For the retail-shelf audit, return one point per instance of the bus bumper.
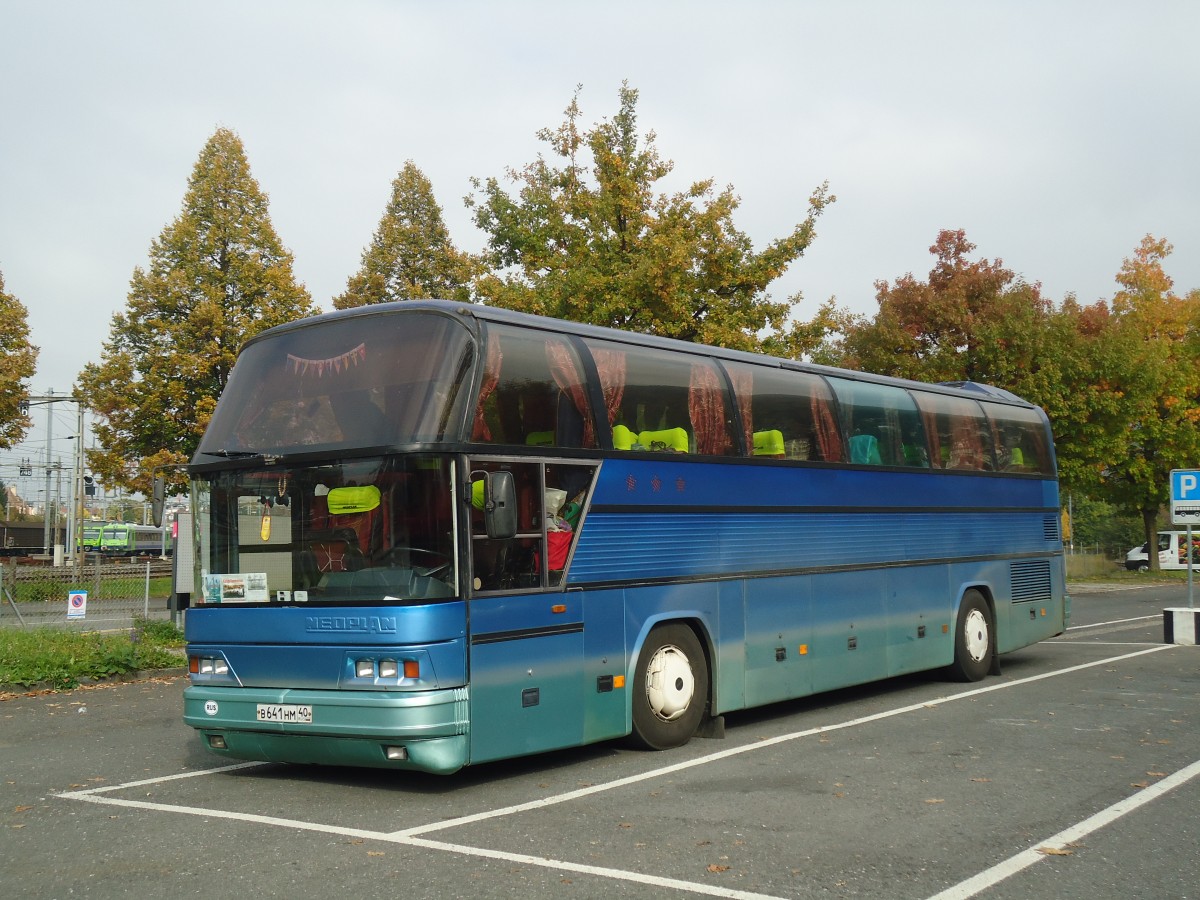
(424, 731)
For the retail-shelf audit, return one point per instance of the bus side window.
(957, 431)
(886, 414)
(785, 414)
(1021, 439)
(533, 392)
(657, 401)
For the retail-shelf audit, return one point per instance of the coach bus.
(431, 535)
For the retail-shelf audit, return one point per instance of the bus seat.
(623, 438)
(668, 439)
(539, 439)
(337, 551)
(864, 450)
(768, 443)
(330, 556)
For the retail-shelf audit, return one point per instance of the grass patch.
(1135, 579)
(63, 658)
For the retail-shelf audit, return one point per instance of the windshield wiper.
(268, 458)
(232, 454)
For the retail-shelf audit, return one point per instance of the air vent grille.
(1031, 580)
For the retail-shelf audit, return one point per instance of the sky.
(1056, 134)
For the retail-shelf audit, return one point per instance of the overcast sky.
(1056, 134)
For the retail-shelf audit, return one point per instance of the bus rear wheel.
(670, 688)
(974, 644)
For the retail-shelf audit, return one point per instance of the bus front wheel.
(670, 688)
(973, 639)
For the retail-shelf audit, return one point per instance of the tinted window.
(785, 414)
(881, 423)
(958, 432)
(533, 392)
(1021, 439)
(361, 381)
(661, 401)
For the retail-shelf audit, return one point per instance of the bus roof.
(475, 313)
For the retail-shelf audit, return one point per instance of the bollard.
(1181, 626)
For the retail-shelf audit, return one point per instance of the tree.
(218, 275)
(18, 362)
(1154, 372)
(587, 238)
(975, 320)
(970, 321)
(411, 255)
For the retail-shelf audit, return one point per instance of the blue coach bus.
(432, 534)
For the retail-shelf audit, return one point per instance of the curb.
(123, 678)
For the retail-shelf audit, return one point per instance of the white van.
(1172, 552)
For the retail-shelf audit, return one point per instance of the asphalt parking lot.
(1072, 774)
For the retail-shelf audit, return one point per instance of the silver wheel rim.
(975, 631)
(670, 684)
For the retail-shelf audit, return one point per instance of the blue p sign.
(1185, 484)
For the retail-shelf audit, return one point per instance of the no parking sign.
(76, 604)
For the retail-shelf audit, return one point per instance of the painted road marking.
(412, 836)
(1062, 841)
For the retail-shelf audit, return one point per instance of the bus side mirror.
(500, 505)
(158, 500)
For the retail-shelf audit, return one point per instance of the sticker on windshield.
(246, 587)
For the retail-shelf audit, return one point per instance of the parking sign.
(1185, 496)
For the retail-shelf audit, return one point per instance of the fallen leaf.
(625, 825)
(935, 800)
(1055, 851)
(713, 867)
(22, 809)
(1139, 784)
(375, 853)
(982, 780)
(1157, 774)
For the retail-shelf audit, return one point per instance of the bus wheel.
(973, 644)
(670, 688)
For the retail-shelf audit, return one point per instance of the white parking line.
(1115, 622)
(411, 836)
(1066, 837)
(759, 745)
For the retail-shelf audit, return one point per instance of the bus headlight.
(387, 668)
(208, 665)
(364, 668)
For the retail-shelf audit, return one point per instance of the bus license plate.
(287, 713)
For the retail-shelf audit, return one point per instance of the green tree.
(411, 255)
(587, 238)
(218, 275)
(1154, 376)
(18, 362)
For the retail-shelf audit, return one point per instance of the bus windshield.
(362, 381)
(372, 530)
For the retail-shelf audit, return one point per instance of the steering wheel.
(397, 557)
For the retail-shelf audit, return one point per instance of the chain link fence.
(113, 593)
